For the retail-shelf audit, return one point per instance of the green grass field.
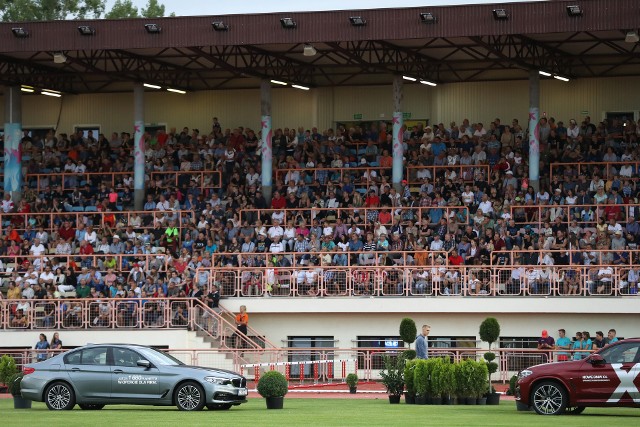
(314, 412)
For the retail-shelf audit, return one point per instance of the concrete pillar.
(12, 139)
(398, 148)
(138, 139)
(267, 148)
(534, 129)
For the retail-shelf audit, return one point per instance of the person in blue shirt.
(42, 344)
(422, 345)
(563, 343)
(578, 345)
(611, 337)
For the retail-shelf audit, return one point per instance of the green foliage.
(489, 356)
(421, 377)
(50, 10)
(8, 368)
(480, 385)
(392, 374)
(122, 9)
(436, 377)
(465, 372)
(409, 374)
(153, 10)
(489, 330)
(512, 385)
(409, 354)
(352, 380)
(492, 367)
(408, 330)
(272, 384)
(13, 384)
(448, 378)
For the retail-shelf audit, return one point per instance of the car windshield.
(159, 358)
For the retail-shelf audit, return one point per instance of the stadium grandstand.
(170, 169)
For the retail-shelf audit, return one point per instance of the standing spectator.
(563, 343)
(546, 342)
(599, 341)
(42, 345)
(422, 343)
(611, 336)
(242, 321)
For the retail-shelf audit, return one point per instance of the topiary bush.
(8, 368)
(352, 380)
(512, 385)
(273, 384)
(409, 354)
(408, 330)
(421, 378)
(490, 332)
(409, 383)
(448, 378)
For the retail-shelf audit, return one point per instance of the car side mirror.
(143, 363)
(596, 359)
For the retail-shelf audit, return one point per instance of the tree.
(153, 10)
(490, 332)
(50, 10)
(122, 9)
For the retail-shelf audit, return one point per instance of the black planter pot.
(275, 402)
(353, 390)
(493, 399)
(447, 401)
(20, 403)
(481, 401)
(409, 399)
(469, 400)
(421, 400)
(394, 399)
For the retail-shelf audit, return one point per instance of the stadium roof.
(465, 43)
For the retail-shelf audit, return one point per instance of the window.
(153, 128)
(317, 343)
(90, 356)
(389, 345)
(94, 129)
(125, 357)
(517, 361)
(622, 353)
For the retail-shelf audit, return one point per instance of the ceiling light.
(20, 32)
(86, 30)
(563, 79)
(544, 73)
(357, 21)
(299, 87)
(309, 50)
(411, 79)
(288, 23)
(54, 94)
(278, 82)
(428, 83)
(632, 37)
(219, 26)
(59, 58)
(500, 14)
(182, 92)
(150, 86)
(152, 28)
(28, 89)
(574, 10)
(428, 18)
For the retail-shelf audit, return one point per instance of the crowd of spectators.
(333, 203)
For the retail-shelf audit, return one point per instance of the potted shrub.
(13, 385)
(480, 382)
(352, 382)
(409, 383)
(421, 381)
(448, 382)
(489, 333)
(392, 377)
(465, 380)
(435, 381)
(273, 387)
(8, 368)
(408, 334)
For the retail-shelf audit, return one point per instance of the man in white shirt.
(47, 277)
(91, 236)
(7, 204)
(436, 244)
(37, 248)
(276, 246)
(485, 205)
(275, 230)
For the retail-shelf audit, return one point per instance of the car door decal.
(627, 379)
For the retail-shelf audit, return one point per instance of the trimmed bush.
(8, 368)
(13, 384)
(408, 330)
(437, 368)
(392, 375)
(272, 384)
(421, 377)
(352, 380)
(409, 383)
(448, 381)
(409, 354)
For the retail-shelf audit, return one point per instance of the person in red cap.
(546, 342)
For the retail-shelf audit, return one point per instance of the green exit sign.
(584, 112)
(406, 115)
(357, 117)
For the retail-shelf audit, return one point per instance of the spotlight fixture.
(288, 23)
(28, 89)
(544, 73)
(574, 10)
(632, 37)
(20, 32)
(500, 14)
(357, 21)
(300, 87)
(411, 79)
(86, 30)
(561, 78)
(278, 82)
(428, 18)
(309, 50)
(59, 58)
(152, 28)
(53, 93)
(181, 92)
(219, 26)
(428, 83)
(150, 86)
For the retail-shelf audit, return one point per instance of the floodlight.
(357, 21)
(309, 50)
(288, 23)
(59, 58)
(152, 28)
(632, 37)
(574, 10)
(20, 32)
(500, 14)
(428, 18)
(86, 30)
(219, 26)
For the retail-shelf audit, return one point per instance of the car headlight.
(524, 373)
(218, 380)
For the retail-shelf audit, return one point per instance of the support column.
(12, 139)
(398, 147)
(138, 140)
(267, 149)
(534, 129)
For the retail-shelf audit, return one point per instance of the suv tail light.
(28, 370)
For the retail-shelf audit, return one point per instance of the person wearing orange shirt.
(242, 321)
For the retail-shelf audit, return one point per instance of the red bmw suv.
(608, 377)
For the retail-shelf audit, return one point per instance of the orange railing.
(467, 173)
(606, 169)
(536, 215)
